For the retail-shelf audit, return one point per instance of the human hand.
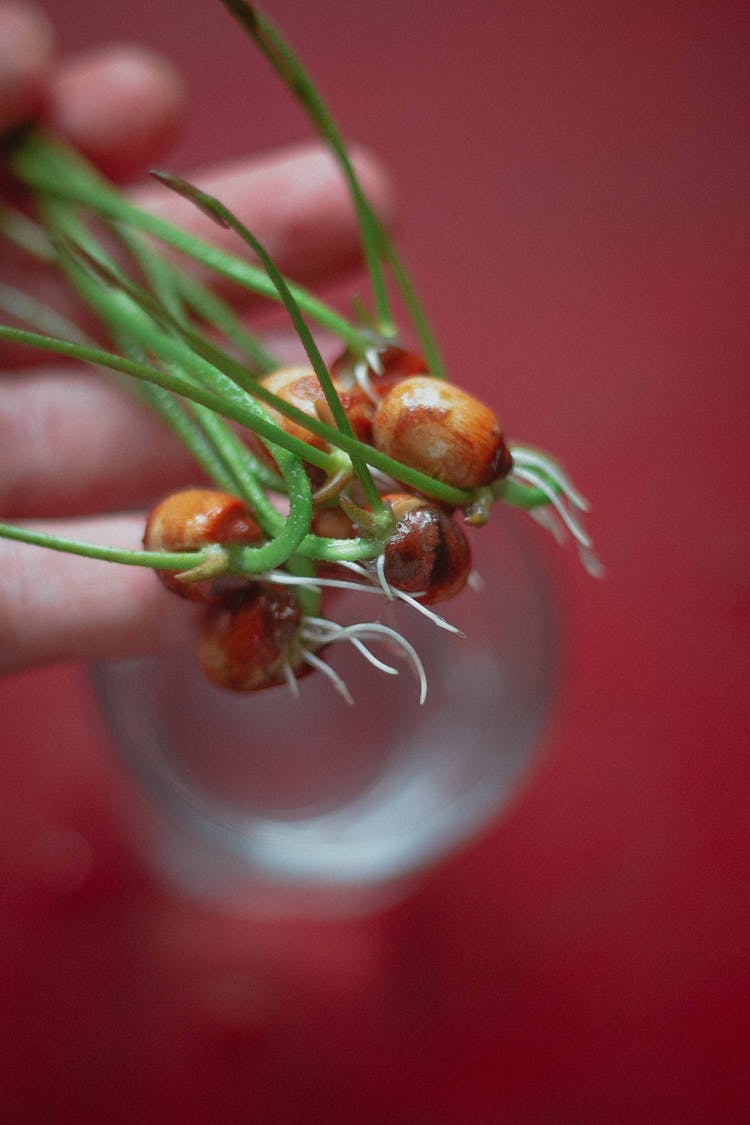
(74, 450)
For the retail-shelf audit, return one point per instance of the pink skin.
(58, 424)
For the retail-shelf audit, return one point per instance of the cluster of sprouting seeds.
(359, 475)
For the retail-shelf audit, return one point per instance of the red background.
(574, 199)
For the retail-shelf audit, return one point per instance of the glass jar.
(267, 803)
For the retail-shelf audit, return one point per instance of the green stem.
(339, 550)
(189, 427)
(287, 65)
(159, 560)
(193, 432)
(239, 376)
(25, 233)
(31, 311)
(224, 217)
(247, 412)
(427, 339)
(183, 287)
(241, 475)
(124, 317)
(244, 473)
(169, 408)
(219, 359)
(520, 495)
(181, 361)
(375, 238)
(296, 525)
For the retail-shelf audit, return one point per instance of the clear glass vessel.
(265, 803)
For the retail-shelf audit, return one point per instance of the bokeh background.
(573, 183)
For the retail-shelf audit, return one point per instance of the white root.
(374, 629)
(318, 631)
(533, 460)
(326, 669)
(372, 658)
(475, 582)
(291, 679)
(364, 382)
(549, 520)
(374, 361)
(435, 618)
(570, 521)
(281, 578)
(380, 570)
(591, 563)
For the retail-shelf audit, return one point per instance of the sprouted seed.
(358, 477)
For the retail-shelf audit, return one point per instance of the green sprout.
(178, 346)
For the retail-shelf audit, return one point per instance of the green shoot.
(284, 61)
(224, 217)
(51, 169)
(375, 239)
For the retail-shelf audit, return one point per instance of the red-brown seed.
(428, 555)
(396, 364)
(332, 523)
(399, 363)
(357, 408)
(299, 387)
(437, 428)
(245, 645)
(194, 518)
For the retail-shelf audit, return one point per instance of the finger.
(74, 442)
(55, 606)
(120, 105)
(25, 52)
(296, 201)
